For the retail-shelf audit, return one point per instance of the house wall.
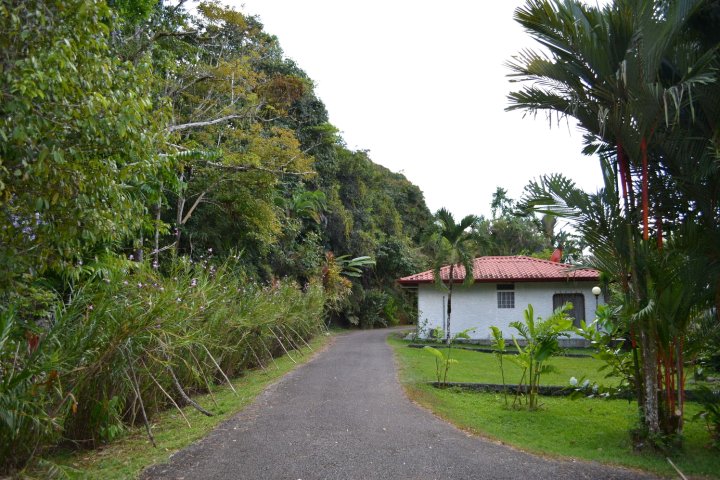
(475, 306)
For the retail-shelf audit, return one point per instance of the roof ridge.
(515, 267)
(535, 259)
(526, 257)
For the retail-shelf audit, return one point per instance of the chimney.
(557, 254)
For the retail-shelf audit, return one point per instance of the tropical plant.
(453, 246)
(353, 267)
(638, 81)
(498, 344)
(443, 360)
(336, 275)
(710, 412)
(132, 120)
(442, 363)
(606, 335)
(130, 342)
(32, 403)
(80, 139)
(308, 205)
(540, 343)
(673, 284)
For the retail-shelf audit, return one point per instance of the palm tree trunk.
(623, 170)
(648, 400)
(645, 200)
(449, 303)
(648, 347)
(680, 391)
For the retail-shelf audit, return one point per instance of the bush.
(372, 309)
(710, 413)
(130, 342)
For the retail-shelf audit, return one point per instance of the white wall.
(475, 306)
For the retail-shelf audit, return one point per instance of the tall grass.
(131, 342)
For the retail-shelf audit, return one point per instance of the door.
(578, 305)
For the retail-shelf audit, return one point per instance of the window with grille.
(577, 313)
(506, 295)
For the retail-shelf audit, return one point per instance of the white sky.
(422, 86)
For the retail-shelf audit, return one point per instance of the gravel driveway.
(343, 415)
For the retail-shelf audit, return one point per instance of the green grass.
(483, 367)
(590, 429)
(128, 456)
(509, 347)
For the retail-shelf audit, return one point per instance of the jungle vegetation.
(176, 207)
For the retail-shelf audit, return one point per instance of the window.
(577, 313)
(506, 295)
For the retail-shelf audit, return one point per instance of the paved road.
(344, 416)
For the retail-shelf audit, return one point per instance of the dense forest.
(155, 133)
(175, 207)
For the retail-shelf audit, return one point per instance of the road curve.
(343, 415)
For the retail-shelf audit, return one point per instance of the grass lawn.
(483, 368)
(128, 456)
(591, 429)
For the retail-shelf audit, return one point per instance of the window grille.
(506, 295)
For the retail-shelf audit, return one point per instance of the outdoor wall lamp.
(596, 291)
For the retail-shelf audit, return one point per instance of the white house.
(502, 290)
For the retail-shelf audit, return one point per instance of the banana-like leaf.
(435, 352)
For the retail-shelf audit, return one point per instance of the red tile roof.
(517, 268)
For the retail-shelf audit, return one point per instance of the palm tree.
(453, 244)
(627, 73)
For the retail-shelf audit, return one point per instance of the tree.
(501, 204)
(511, 231)
(631, 74)
(80, 136)
(227, 131)
(455, 245)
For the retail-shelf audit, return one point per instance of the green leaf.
(435, 352)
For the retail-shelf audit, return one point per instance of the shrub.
(710, 413)
(541, 342)
(130, 342)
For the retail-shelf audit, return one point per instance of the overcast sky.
(422, 86)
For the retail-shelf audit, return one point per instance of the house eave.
(565, 278)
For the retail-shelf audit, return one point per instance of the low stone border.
(490, 350)
(545, 390)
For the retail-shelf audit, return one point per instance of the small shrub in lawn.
(443, 360)
(442, 363)
(710, 413)
(498, 344)
(605, 335)
(541, 343)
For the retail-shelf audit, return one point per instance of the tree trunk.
(449, 304)
(180, 211)
(680, 391)
(178, 223)
(139, 250)
(645, 198)
(649, 367)
(156, 246)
